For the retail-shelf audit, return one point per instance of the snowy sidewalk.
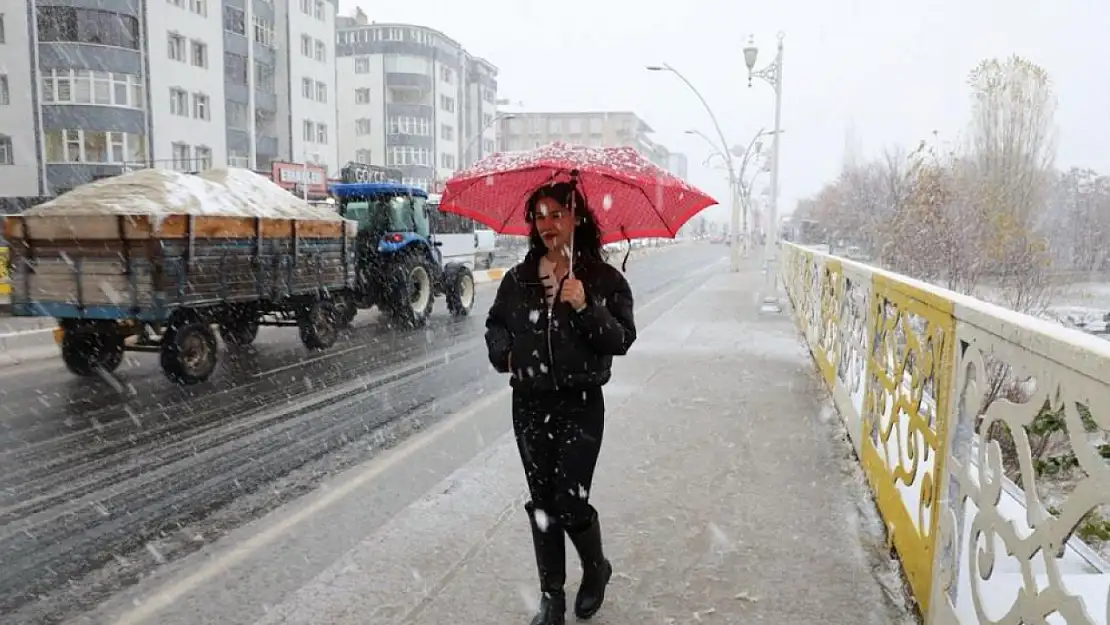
(725, 492)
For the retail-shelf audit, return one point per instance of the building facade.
(527, 130)
(185, 84)
(412, 99)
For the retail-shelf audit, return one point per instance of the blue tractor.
(400, 266)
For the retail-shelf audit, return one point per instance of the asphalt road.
(103, 480)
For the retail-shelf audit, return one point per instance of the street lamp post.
(734, 205)
(773, 75)
(755, 146)
(465, 157)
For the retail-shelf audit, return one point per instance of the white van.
(461, 241)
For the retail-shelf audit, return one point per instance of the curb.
(489, 275)
(13, 341)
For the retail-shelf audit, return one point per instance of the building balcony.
(408, 80)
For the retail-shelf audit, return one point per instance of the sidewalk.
(726, 493)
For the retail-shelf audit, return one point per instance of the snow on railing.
(951, 403)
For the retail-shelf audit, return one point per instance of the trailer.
(119, 276)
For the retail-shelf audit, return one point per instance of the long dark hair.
(587, 234)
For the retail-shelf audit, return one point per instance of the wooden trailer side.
(151, 266)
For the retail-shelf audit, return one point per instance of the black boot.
(551, 561)
(596, 569)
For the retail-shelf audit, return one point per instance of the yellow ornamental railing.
(946, 398)
(5, 276)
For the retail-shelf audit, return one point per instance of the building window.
(362, 126)
(200, 7)
(321, 51)
(264, 32)
(117, 147)
(74, 25)
(306, 88)
(176, 47)
(321, 92)
(201, 109)
(447, 75)
(321, 133)
(446, 132)
(203, 157)
(447, 161)
(74, 145)
(488, 147)
(181, 157)
(264, 78)
(447, 103)
(7, 153)
(102, 88)
(488, 96)
(237, 117)
(235, 21)
(200, 53)
(63, 86)
(408, 155)
(306, 7)
(88, 146)
(2, 37)
(306, 46)
(309, 131)
(362, 65)
(363, 156)
(238, 159)
(235, 68)
(362, 95)
(5, 94)
(318, 10)
(410, 126)
(179, 102)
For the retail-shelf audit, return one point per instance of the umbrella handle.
(573, 221)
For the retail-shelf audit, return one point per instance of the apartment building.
(527, 130)
(306, 83)
(89, 90)
(411, 98)
(678, 164)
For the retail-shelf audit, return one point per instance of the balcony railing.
(983, 434)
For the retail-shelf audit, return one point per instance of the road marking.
(374, 468)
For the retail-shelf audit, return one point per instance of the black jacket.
(568, 349)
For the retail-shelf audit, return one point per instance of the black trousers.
(559, 434)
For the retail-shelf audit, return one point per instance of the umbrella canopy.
(629, 196)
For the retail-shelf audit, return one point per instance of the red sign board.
(291, 176)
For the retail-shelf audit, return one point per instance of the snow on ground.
(161, 192)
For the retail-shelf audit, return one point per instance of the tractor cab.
(400, 267)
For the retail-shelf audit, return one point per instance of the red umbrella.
(630, 197)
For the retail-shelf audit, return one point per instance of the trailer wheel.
(188, 352)
(345, 310)
(86, 352)
(412, 292)
(241, 330)
(319, 324)
(459, 286)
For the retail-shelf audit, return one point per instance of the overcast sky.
(894, 71)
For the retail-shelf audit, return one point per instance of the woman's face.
(554, 223)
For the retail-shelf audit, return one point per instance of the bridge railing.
(984, 435)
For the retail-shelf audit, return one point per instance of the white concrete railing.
(910, 366)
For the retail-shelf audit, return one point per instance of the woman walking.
(555, 326)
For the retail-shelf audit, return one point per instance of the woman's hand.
(573, 293)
